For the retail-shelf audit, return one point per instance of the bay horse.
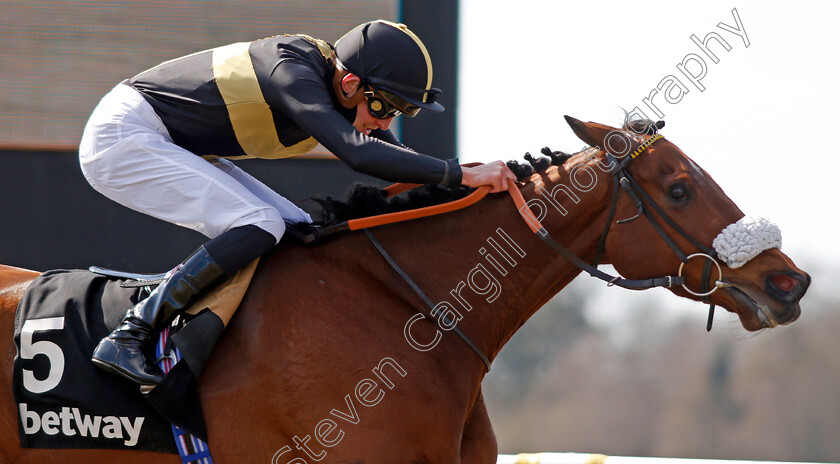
(329, 358)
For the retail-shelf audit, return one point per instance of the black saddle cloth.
(63, 400)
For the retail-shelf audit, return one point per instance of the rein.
(318, 232)
(446, 320)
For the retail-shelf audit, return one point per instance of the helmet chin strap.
(343, 100)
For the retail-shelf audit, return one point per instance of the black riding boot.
(123, 351)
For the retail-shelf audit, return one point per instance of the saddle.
(222, 300)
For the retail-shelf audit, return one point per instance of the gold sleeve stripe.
(422, 47)
(250, 115)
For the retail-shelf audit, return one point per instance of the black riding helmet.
(391, 60)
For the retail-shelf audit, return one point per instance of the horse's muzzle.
(775, 304)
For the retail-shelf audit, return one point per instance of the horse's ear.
(592, 133)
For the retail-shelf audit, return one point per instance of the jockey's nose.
(787, 286)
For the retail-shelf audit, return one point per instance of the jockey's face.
(366, 122)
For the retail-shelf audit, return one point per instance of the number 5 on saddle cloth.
(59, 321)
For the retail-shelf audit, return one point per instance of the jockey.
(161, 143)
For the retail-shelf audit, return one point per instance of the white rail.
(582, 458)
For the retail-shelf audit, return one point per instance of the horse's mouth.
(757, 310)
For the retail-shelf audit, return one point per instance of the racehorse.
(330, 358)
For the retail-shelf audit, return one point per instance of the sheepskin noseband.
(745, 239)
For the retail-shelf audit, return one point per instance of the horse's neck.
(500, 268)
(575, 218)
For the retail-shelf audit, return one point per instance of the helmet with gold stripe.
(393, 63)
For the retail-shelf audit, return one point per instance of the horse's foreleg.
(478, 443)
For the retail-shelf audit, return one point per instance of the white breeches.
(126, 154)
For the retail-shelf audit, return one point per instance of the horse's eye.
(678, 192)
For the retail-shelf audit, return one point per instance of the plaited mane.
(369, 200)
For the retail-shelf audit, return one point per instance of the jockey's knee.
(276, 226)
(269, 219)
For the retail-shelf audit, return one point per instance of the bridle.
(647, 207)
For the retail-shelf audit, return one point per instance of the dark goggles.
(384, 105)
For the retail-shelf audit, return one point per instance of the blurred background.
(596, 370)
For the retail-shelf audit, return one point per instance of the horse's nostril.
(788, 286)
(782, 282)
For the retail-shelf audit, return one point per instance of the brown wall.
(60, 56)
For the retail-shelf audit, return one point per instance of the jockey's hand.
(495, 174)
